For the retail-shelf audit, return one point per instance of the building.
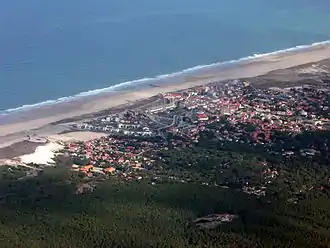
(109, 170)
(202, 117)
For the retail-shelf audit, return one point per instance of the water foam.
(160, 77)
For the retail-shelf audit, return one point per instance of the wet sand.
(27, 121)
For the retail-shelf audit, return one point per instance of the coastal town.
(209, 158)
(234, 113)
(187, 113)
(165, 124)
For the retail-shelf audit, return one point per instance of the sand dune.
(42, 155)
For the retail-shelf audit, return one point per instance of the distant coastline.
(158, 81)
(39, 119)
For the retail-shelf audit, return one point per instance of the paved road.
(168, 126)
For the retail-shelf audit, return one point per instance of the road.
(168, 126)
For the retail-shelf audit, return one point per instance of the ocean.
(58, 49)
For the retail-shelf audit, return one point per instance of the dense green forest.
(210, 178)
(45, 211)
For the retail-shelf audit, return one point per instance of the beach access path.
(36, 118)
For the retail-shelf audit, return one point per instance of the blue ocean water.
(53, 49)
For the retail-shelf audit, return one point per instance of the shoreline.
(24, 122)
(162, 79)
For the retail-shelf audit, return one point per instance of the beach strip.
(36, 118)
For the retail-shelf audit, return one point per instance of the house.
(202, 117)
(86, 168)
(109, 170)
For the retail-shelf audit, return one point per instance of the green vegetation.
(214, 166)
(45, 212)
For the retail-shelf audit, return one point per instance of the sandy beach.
(32, 119)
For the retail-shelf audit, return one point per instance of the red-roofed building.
(202, 117)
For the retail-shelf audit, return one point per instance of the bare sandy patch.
(76, 136)
(42, 155)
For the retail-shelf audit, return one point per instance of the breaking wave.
(160, 77)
